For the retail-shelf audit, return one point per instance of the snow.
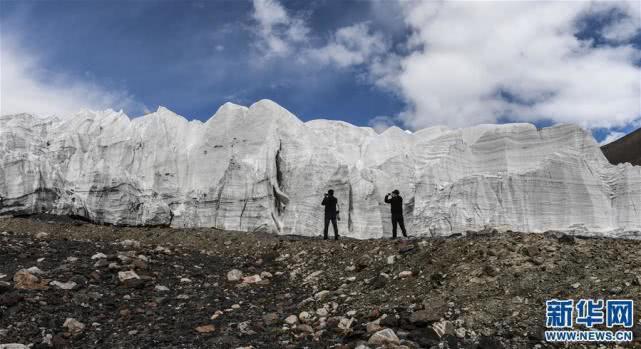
(261, 168)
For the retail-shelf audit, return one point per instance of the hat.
(396, 192)
(331, 192)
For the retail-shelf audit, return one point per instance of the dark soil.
(489, 288)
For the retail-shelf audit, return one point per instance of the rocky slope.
(625, 149)
(262, 169)
(70, 284)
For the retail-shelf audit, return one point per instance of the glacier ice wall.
(261, 168)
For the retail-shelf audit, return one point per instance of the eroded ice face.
(261, 168)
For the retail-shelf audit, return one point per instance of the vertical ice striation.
(261, 168)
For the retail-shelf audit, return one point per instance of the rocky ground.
(66, 283)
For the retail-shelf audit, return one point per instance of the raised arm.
(324, 201)
(387, 199)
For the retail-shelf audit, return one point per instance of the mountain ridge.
(624, 149)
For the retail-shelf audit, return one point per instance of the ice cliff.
(261, 168)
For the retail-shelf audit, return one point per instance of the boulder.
(69, 285)
(74, 326)
(24, 280)
(384, 337)
(234, 275)
(127, 275)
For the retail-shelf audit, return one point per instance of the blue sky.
(368, 63)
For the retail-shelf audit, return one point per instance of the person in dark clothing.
(330, 203)
(396, 203)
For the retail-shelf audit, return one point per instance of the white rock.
(345, 324)
(72, 259)
(64, 286)
(304, 317)
(162, 169)
(251, 279)
(244, 328)
(405, 274)
(185, 280)
(291, 320)
(443, 328)
(35, 271)
(163, 250)
(130, 243)
(383, 337)
(321, 295)
(313, 276)
(322, 312)
(74, 326)
(13, 346)
(161, 288)
(266, 275)
(47, 339)
(42, 235)
(127, 275)
(373, 327)
(234, 275)
(99, 255)
(390, 259)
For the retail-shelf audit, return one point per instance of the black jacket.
(330, 206)
(396, 203)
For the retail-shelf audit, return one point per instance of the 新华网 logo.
(563, 315)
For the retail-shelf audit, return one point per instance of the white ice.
(261, 168)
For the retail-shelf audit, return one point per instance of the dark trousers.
(398, 219)
(333, 220)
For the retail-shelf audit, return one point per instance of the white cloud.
(280, 34)
(471, 62)
(611, 137)
(25, 86)
(468, 56)
(624, 28)
(277, 30)
(351, 45)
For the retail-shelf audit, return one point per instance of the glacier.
(260, 168)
